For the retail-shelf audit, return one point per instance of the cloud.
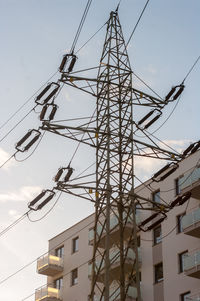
(4, 156)
(151, 69)
(25, 193)
(145, 167)
(178, 145)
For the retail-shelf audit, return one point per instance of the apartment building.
(169, 252)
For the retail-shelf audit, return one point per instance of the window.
(185, 296)
(74, 276)
(60, 252)
(75, 245)
(179, 222)
(58, 283)
(181, 261)
(157, 235)
(156, 197)
(158, 272)
(177, 186)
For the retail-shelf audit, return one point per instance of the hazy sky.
(34, 35)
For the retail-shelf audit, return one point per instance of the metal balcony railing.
(189, 178)
(49, 264)
(191, 223)
(114, 222)
(48, 293)
(115, 294)
(115, 259)
(191, 264)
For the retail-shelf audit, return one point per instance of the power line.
(137, 23)
(81, 25)
(191, 69)
(13, 224)
(29, 99)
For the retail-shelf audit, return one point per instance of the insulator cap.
(170, 93)
(32, 142)
(40, 100)
(68, 175)
(48, 199)
(156, 223)
(58, 175)
(71, 66)
(195, 148)
(19, 143)
(35, 200)
(179, 92)
(148, 219)
(186, 151)
(145, 117)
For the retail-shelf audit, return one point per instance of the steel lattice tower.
(115, 266)
(114, 170)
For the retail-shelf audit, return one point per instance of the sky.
(34, 35)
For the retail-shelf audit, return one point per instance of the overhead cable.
(137, 23)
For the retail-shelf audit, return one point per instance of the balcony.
(191, 223)
(191, 264)
(48, 293)
(115, 264)
(49, 265)
(190, 182)
(131, 294)
(114, 230)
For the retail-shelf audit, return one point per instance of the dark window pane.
(74, 277)
(158, 270)
(75, 245)
(181, 261)
(157, 233)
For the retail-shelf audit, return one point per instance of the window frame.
(180, 261)
(156, 279)
(75, 244)
(60, 283)
(74, 277)
(59, 252)
(183, 295)
(178, 222)
(154, 194)
(155, 242)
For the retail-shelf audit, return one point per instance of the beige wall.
(167, 251)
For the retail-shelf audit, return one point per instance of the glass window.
(156, 197)
(75, 245)
(157, 235)
(58, 283)
(185, 296)
(158, 272)
(60, 252)
(179, 222)
(177, 186)
(74, 276)
(181, 261)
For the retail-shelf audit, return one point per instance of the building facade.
(169, 253)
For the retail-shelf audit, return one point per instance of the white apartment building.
(169, 253)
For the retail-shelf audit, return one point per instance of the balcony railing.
(48, 293)
(190, 181)
(114, 222)
(115, 261)
(191, 264)
(49, 265)
(191, 223)
(131, 294)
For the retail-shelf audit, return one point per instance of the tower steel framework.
(115, 265)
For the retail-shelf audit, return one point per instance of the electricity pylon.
(115, 265)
